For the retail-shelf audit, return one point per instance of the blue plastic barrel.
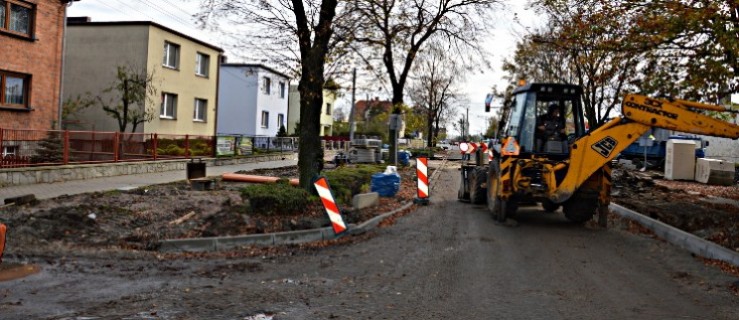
(386, 185)
(404, 158)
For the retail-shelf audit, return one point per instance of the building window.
(328, 109)
(265, 119)
(16, 17)
(171, 55)
(169, 106)
(201, 110)
(282, 90)
(10, 151)
(280, 120)
(267, 85)
(202, 62)
(14, 91)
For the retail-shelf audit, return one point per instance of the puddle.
(12, 271)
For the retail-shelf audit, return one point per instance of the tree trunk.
(312, 58)
(310, 157)
(123, 122)
(431, 137)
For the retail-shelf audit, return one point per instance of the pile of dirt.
(710, 212)
(140, 218)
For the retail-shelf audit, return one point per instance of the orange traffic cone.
(3, 228)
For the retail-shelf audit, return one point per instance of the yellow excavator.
(547, 154)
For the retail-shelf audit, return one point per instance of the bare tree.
(301, 29)
(130, 98)
(434, 88)
(397, 31)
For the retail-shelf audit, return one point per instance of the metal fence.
(24, 148)
(27, 148)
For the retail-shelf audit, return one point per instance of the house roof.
(254, 65)
(77, 21)
(361, 107)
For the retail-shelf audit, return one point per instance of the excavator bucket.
(3, 229)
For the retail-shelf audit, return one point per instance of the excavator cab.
(545, 118)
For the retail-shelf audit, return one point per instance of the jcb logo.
(605, 146)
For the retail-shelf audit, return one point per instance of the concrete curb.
(278, 238)
(230, 242)
(682, 239)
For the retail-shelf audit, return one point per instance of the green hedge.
(276, 199)
(350, 180)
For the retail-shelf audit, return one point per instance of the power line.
(178, 8)
(163, 11)
(114, 8)
(133, 8)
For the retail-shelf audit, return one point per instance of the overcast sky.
(177, 15)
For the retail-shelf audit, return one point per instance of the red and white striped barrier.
(3, 229)
(422, 170)
(330, 204)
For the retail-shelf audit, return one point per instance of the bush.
(424, 152)
(276, 199)
(171, 150)
(347, 181)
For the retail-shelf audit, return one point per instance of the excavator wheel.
(499, 209)
(478, 176)
(581, 207)
(463, 195)
(549, 206)
(493, 189)
(508, 209)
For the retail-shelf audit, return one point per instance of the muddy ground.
(139, 219)
(710, 212)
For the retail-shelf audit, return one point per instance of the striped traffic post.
(422, 169)
(330, 204)
(3, 229)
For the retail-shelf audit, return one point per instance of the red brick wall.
(42, 59)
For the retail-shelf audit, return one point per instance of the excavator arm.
(592, 151)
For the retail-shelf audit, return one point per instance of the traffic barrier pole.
(422, 169)
(3, 229)
(331, 208)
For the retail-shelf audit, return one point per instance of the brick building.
(31, 38)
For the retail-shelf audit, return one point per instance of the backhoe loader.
(563, 163)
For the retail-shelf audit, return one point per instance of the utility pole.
(351, 111)
(467, 122)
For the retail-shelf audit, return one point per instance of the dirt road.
(446, 261)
